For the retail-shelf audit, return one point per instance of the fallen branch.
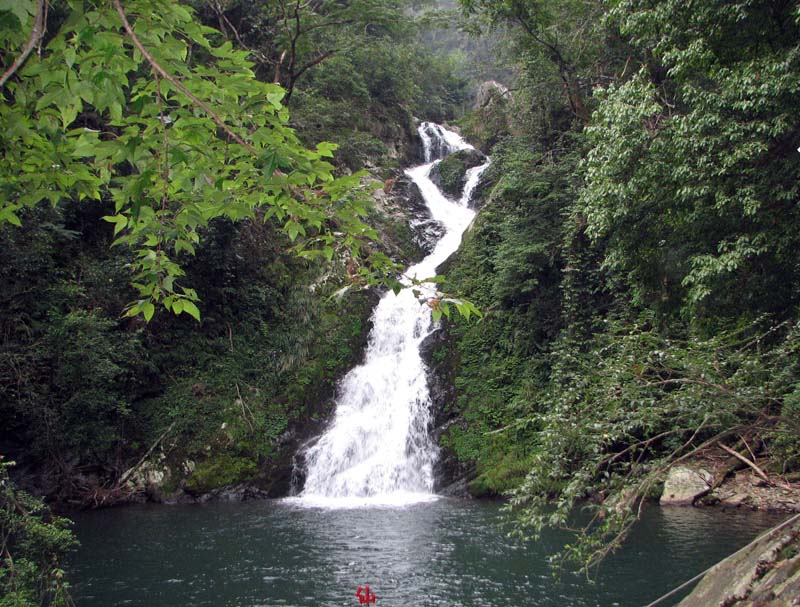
(143, 459)
(743, 459)
(245, 409)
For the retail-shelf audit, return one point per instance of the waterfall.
(438, 142)
(378, 448)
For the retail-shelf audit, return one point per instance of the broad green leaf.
(191, 309)
(148, 309)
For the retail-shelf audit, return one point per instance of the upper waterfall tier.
(438, 142)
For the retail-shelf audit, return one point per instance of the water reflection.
(448, 552)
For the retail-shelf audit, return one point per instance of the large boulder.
(492, 116)
(490, 92)
(684, 485)
(450, 175)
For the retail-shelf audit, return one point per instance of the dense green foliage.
(31, 542)
(124, 114)
(635, 257)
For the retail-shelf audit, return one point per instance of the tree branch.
(311, 64)
(170, 78)
(143, 459)
(223, 18)
(36, 35)
(743, 459)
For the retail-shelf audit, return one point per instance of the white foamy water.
(377, 450)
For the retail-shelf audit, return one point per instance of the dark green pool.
(448, 552)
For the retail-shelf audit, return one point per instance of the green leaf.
(21, 10)
(119, 221)
(7, 214)
(191, 309)
(148, 309)
(293, 230)
(275, 99)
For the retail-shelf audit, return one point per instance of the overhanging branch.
(36, 35)
(171, 79)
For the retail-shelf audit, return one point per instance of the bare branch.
(743, 459)
(143, 459)
(223, 18)
(299, 72)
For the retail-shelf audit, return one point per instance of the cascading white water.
(378, 448)
(438, 142)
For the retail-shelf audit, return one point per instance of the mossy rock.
(220, 471)
(450, 175)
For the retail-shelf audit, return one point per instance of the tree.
(137, 108)
(563, 32)
(286, 38)
(694, 175)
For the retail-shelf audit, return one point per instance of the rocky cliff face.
(491, 118)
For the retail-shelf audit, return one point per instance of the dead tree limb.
(743, 459)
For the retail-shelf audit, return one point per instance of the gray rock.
(684, 485)
(425, 229)
(489, 91)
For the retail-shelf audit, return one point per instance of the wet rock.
(439, 146)
(426, 231)
(235, 493)
(451, 475)
(684, 485)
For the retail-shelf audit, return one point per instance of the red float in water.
(365, 595)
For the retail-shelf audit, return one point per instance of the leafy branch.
(37, 32)
(167, 76)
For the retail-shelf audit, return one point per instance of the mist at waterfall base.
(377, 449)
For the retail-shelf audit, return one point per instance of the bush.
(32, 542)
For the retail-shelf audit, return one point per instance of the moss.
(397, 238)
(220, 471)
(450, 173)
